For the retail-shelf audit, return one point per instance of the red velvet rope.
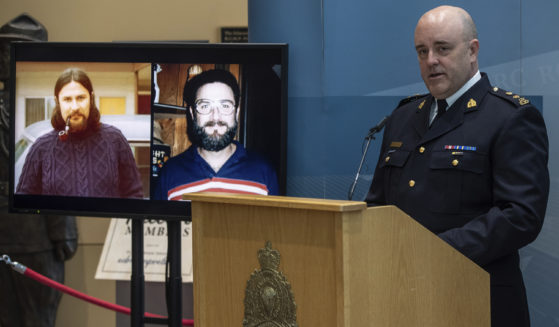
(65, 289)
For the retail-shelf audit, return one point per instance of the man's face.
(216, 126)
(74, 102)
(446, 60)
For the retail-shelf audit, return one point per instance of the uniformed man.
(468, 160)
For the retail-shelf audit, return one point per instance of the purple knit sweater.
(98, 164)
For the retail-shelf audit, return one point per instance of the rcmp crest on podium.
(269, 301)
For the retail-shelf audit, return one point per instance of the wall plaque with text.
(234, 34)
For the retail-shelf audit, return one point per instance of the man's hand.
(64, 250)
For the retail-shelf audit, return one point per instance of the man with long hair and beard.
(81, 156)
(215, 162)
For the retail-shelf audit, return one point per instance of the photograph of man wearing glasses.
(215, 162)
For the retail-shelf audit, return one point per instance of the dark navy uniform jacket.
(477, 177)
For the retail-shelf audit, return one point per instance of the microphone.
(370, 136)
(377, 128)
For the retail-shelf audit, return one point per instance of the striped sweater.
(188, 172)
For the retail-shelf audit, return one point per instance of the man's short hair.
(79, 76)
(192, 86)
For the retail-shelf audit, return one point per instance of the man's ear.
(474, 47)
(192, 114)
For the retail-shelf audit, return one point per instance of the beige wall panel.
(80, 273)
(127, 20)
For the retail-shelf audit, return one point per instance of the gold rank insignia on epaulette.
(421, 105)
(514, 98)
(411, 99)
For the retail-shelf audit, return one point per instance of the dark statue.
(40, 242)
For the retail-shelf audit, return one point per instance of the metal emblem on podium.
(269, 301)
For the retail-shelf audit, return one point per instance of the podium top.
(278, 201)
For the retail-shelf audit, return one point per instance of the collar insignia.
(472, 103)
(421, 105)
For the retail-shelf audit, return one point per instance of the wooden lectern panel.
(309, 242)
(348, 265)
(407, 276)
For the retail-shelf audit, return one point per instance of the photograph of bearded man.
(80, 156)
(215, 162)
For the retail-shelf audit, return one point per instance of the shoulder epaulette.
(411, 98)
(515, 99)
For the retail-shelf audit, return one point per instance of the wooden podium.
(348, 265)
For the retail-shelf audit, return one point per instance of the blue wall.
(352, 60)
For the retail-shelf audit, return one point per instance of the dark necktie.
(441, 108)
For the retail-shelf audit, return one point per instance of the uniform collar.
(471, 82)
(467, 102)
